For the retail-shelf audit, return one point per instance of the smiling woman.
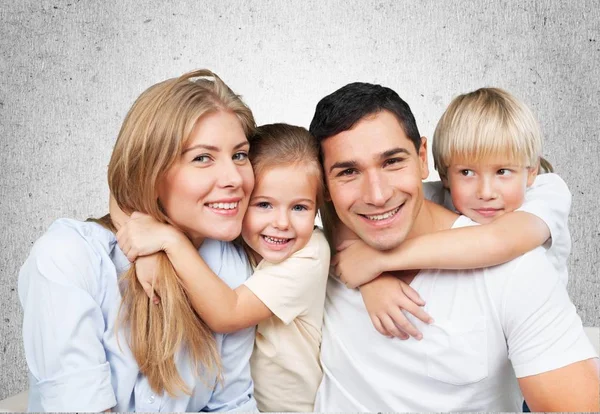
(92, 340)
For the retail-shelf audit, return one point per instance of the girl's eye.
(504, 171)
(299, 207)
(240, 156)
(466, 173)
(263, 204)
(203, 159)
(347, 172)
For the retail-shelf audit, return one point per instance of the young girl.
(285, 295)
(487, 149)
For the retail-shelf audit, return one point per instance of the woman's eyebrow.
(214, 148)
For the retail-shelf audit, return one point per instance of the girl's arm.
(222, 308)
(504, 239)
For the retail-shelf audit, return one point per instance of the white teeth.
(223, 206)
(383, 216)
(276, 240)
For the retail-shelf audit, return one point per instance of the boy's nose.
(486, 190)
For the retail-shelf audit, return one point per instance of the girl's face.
(205, 193)
(281, 215)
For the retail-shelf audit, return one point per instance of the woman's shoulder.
(227, 259)
(69, 251)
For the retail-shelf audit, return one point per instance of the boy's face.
(373, 174)
(484, 191)
(281, 213)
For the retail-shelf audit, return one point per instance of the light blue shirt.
(68, 288)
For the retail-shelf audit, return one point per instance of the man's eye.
(393, 161)
(347, 172)
(263, 204)
(240, 156)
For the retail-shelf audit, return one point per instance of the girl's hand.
(142, 235)
(385, 299)
(146, 271)
(356, 263)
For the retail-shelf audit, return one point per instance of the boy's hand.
(142, 235)
(385, 298)
(356, 263)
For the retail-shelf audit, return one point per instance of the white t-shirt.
(285, 363)
(490, 324)
(548, 198)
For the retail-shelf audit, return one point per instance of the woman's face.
(205, 193)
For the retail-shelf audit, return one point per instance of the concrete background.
(69, 71)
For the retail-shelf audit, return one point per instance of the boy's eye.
(263, 204)
(240, 156)
(347, 172)
(466, 173)
(203, 158)
(504, 171)
(299, 207)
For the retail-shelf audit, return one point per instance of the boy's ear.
(532, 172)
(445, 181)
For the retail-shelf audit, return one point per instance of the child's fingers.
(335, 260)
(403, 324)
(418, 312)
(412, 294)
(378, 327)
(149, 291)
(390, 326)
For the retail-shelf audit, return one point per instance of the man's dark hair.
(341, 110)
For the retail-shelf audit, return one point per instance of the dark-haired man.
(492, 325)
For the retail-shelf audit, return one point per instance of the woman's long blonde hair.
(151, 139)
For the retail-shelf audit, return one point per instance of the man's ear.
(423, 158)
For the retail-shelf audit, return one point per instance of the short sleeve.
(286, 288)
(541, 324)
(63, 324)
(549, 199)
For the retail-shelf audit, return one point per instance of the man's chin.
(382, 243)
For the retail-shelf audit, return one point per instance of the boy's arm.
(506, 238)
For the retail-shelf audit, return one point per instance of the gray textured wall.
(70, 69)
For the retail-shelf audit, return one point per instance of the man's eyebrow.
(344, 165)
(394, 151)
(213, 148)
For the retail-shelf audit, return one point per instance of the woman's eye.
(263, 204)
(240, 156)
(466, 173)
(299, 207)
(202, 158)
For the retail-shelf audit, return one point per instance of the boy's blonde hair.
(488, 122)
(151, 140)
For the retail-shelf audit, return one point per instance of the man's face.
(374, 175)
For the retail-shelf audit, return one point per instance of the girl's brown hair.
(151, 139)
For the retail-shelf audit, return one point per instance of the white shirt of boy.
(491, 326)
(548, 198)
(285, 363)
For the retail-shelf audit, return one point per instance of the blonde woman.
(92, 342)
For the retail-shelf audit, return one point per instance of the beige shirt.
(285, 363)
